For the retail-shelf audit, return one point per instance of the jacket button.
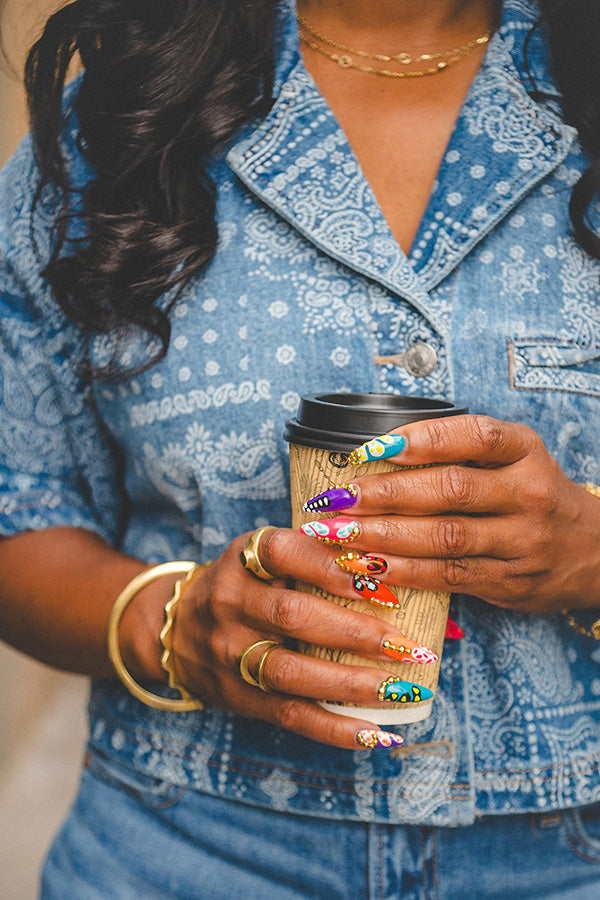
(420, 359)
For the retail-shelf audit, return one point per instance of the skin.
(495, 518)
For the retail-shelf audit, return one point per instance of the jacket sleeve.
(58, 465)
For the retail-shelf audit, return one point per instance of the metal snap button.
(420, 359)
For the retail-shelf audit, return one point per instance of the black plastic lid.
(343, 421)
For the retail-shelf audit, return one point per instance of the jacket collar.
(297, 161)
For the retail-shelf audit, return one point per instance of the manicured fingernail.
(362, 562)
(333, 498)
(453, 630)
(401, 648)
(332, 531)
(369, 737)
(379, 448)
(374, 591)
(402, 691)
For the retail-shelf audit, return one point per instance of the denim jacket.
(310, 292)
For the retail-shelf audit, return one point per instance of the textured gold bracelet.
(593, 631)
(120, 605)
(167, 659)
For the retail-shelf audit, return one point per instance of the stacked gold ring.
(243, 660)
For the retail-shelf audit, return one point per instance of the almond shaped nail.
(336, 497)
(362, 563)
(381, 447)
(403, 649)
(372, 738)
(332, 531)
(396, 691)
(374, 591)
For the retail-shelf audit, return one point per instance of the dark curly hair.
(165, 84)
(168, 82)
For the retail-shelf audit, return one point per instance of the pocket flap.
(548, 364)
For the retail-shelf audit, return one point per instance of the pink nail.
(332, 531)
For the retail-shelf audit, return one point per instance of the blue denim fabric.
(170, 843)
(309, 291)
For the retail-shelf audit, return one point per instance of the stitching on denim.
(254, 768)
(574, 832)
(540, 390)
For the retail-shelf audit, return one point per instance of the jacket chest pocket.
(546, 364)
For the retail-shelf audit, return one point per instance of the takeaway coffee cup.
(326, 429)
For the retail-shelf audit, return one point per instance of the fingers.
(469, 439)
(307, 718)
(435, 490)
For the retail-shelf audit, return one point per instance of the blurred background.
(42, 712)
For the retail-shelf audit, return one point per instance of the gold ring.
(245, 672)
(249, 556)
(261, 667)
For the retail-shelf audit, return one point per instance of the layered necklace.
(346, 58)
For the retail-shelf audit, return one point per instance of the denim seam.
(258, 769)
(574, 834)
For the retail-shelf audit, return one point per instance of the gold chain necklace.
(345, 61)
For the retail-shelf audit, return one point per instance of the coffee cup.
(327, 428)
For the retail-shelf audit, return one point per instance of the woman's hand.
(226, 608)
(494, 517)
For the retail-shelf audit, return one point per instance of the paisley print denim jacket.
(309, 291)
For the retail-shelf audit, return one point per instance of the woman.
(238, 210)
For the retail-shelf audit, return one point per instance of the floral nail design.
(332, 531)
(374, 591)
(453, 630)
(397, 691)
(379, 448)
(362, 563)
(371, 738)
(404, 650)
(336, 497)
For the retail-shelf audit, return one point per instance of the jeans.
(129, 837)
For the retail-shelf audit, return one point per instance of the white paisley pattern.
(310, 292)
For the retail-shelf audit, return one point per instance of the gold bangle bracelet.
(120, 605)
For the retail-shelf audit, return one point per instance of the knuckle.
(487, 432)
(451, 537)
(287, 611)
(293, 714)
(218, 648)
(282, 673)
(433, 434)
(387, 529)
(457, 572)
(456, 487)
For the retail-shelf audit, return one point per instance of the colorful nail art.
(402, 691)
(401, 648)
(374, 591)
(369, 737)
(379, 448)
(453, 630)
(362, 563)
(337, 497)
(332, 531)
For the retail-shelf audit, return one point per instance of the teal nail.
(397, 691)
(379, 448)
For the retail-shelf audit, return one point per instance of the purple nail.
(333, 498)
